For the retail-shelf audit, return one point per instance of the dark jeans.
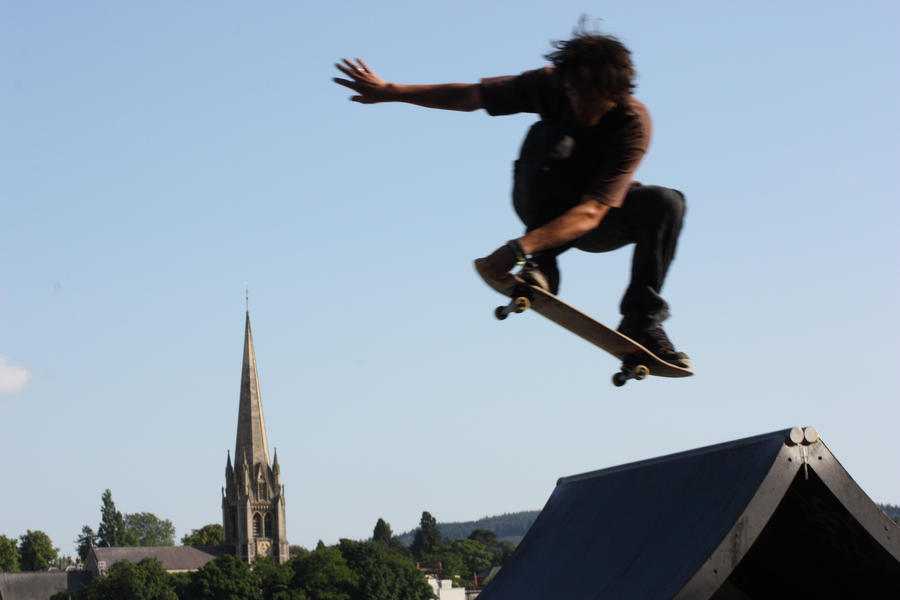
(650, 218)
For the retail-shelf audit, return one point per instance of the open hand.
(369, 87)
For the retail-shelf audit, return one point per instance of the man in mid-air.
(573, 185)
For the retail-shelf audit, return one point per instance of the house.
(174, 559)
(41, 585)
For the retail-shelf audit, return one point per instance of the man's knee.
(668, 203)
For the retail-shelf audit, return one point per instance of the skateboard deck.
(637, 361)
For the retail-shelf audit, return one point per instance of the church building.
(253, 497)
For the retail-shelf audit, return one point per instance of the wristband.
(516, 247)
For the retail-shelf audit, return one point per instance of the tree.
(9, 555)
(225, 578)
(111, 532)
(146, 529)
(275, 579)
(146, 580)
(503, 552)
(323, 574)
(382, 532)
(85, 541)
(383, 535)
(427, 538)
(486, 537)
(382, 573)
(473, 555)
(36, 551)
(208, 535)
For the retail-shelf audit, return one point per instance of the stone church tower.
(253, 497)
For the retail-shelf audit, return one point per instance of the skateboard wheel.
(500, 313)
(522, 304)
(641, 372)
(619, 379)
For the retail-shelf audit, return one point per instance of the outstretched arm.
(371, 89)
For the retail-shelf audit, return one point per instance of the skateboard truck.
(520, 301)
(630, 371)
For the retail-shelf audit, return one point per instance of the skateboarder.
(573, 184)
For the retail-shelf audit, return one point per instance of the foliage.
(275, 579)
(382, 532)
(427, 538)
(116, 529)
(112, 524)
(486, 537)
(146, 580)
(146, 529)
(208, 535)
(9, 555)
(383, 573)
(323, 574)
(36, 551)
(473, 556)
(84, 541)
(226, 578)
(503, 551)
(507, 526)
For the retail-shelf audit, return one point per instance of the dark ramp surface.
(681, 525)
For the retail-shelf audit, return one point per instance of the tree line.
(510, 526)
(348, 571)
(382, 567)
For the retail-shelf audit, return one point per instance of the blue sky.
(154, 157)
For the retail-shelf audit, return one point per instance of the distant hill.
(512, 526)
(508, 526)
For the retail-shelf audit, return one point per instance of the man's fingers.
(361, 80)
(358, 67)
(346, 71)
(344, 82)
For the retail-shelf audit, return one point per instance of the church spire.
(251, 432)
(253, 505)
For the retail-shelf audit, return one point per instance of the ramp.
(767, 516)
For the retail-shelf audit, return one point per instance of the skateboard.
(637, 361)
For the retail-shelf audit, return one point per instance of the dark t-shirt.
(562, 162)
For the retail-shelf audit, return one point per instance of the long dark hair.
(591, 60)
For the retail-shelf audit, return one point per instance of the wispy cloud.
(12, 377)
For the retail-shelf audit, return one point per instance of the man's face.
(588, 104)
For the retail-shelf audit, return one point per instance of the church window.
(257, 525)
(269, 525)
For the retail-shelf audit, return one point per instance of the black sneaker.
(533, 276)
(542, 271)
(656, 341)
